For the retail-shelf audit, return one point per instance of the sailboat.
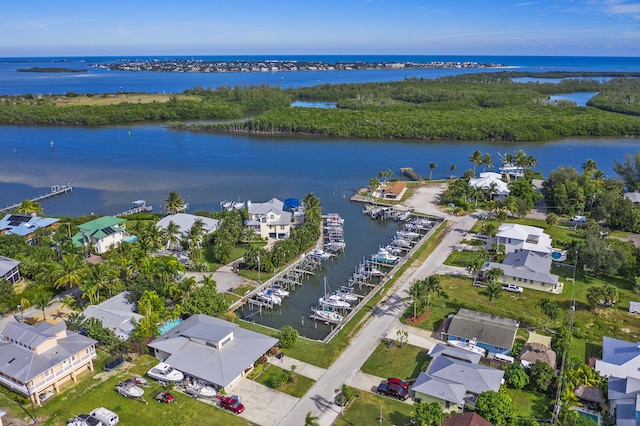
(332, 300)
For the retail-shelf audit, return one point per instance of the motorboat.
(279, 291)
(270, 296)
(346, 295)
(165, 373)
(383, 256)
(409, 235)
(198, 389)
(129, 389)
(326, 316)
(334, 246)
(334, 301)
(470, 346)
(400, 242)
(369, 269)
(318, 253)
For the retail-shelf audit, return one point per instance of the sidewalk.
(302, 368)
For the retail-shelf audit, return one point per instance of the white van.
(108, 417)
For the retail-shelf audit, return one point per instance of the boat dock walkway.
(139, 206)
(55, 190)
(410, 173)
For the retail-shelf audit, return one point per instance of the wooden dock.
(139, 206)
(55, 190)
(410, 173)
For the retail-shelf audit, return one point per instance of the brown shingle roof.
(533, 352)
(465, 419)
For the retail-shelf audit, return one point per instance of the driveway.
(263, 405)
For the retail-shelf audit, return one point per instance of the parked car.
(394, 391)
(397, 382)
(512, 288)
(580, 219)
(231, 403)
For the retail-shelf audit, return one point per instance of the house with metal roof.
(619, 358)
(184, 222)
(25, 225)
(453, 382)
(624, 400)
(521, 237)
(528, 269)
(35, 359)
(269, 220)
(103, 234)
(116, 313)
(634, 197)
(493, 333)
(211, 350)
(9, 269)
(493, 181)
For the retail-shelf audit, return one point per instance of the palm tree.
(487, 160)
(172, 233)
(42, 301)
(432, 286)
(493, 290)
(416, 290)
(173, 203)
(28, 206)
(374, 183)
(70, 272)
(432, 166)
(311, 420)
(476, 158)
(313, 208)
(589, 166)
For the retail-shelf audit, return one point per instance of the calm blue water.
(110, 167)
(580, 98)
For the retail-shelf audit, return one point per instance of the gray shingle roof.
(116, 314)
(494, 330)
(441, 389)
(189, 353)
(452, 352)
(6, 265)
(476, 378)
(527, 265)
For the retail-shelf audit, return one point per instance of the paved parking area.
(263, 405)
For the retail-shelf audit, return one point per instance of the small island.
(49, 69)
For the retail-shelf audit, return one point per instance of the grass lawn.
(112, 99)
(460, 258)
(97, 389)
(297, 388)
(530, 405)
(241, 290)
(365, 410)
(393, 361)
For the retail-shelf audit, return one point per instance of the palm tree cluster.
(478, 159)
(422, 290)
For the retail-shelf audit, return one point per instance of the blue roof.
(618, 352)
(23, 225)
(290, 203)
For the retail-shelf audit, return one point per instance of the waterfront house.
(527, 269)
(184, 222)
(619, 358)
(211, 350)
(492, 181)
(103, 234)
(522, 237)
(392, 190)
(269, 220)
(493, 333)
(116, 313)
(36, 359)
(9, 269)
(454, 380)
(25, 225)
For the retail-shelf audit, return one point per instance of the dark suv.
(393, 390)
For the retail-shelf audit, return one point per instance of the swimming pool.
(592, 417)
(556, 255)
(166, 326)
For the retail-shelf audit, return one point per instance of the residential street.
(319, 399)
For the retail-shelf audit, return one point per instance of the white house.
(104, 234)
(9, 269)
(619, 358)
(517, 237)
(185, 222)
(269, 219)
(527, 269)
(487, 179)
(116, 314)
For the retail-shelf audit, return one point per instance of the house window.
(264, 220)
(519, 280)
(508, 240)
(272, 217)
(282, 227)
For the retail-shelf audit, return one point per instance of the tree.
(374, 183)
(172, 235)
(428, 414)
(403, 337)
(515, 376)
(311, 420)
(629, 171)
(312, 206)
(431, 286)
(549, 309)
(552, 220)
(432, 166)
(493, 290)
(28, 206)
(173, 203)
(606, 296)
(487, 161)
(287, 337)
(540, 375)
(476, 159)
(495, 407)
(204, 300)
(416, 290)
(42, 300)
(70, 272)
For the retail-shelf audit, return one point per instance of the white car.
(512, 288)
(579, 219)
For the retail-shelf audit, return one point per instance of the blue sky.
(219, 27)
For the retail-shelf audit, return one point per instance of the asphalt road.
(319, 399)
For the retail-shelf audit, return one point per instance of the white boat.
(334, 301)
(279, 291)
(319, 254)
(129, 388)
(369, 269)
(400, 242)
(270, 296)
(165, 373)
(408, 234)
(327, 316)
(334, 246)
(383, 256)
(468, 346)
(402, 216)
(200, 390)
(346, 295)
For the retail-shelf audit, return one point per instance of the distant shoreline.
(52, 69)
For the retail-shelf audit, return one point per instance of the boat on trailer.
(130, 389)
(198, 389)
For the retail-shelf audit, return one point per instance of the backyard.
(391, 360)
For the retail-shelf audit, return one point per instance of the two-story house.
(9, 269)
(35, 359)
(269, 220)
(25, 225)
(517, 237)
(103, 234)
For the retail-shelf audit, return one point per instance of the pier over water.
(55, 190)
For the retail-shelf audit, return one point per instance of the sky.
(320, 27)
